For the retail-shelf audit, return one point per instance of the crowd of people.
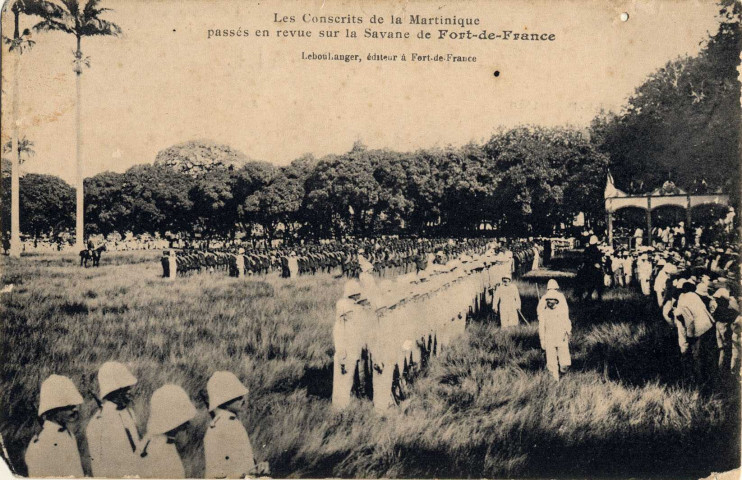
(695, 287)
(116, 448)
(679, 235)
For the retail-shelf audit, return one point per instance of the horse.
(589, 279)
(93, 254)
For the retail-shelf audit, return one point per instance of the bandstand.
(666, 195)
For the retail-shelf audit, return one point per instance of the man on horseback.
(92, 252)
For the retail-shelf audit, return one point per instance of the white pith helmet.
(113, 376)
(58, 391)
(169, 408)
(224, 387)
(552, 285)
(722, 293)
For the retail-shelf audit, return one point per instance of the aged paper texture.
(366, 239)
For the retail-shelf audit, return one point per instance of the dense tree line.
(539, 174)
(522, 181)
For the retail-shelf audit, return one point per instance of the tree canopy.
(683, 123)
(46, 203)
(199, 157)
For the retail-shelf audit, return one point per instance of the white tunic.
(161, 459)
(506, 301)
(113, 442)
(53, 453)
(553, 325)
(227, 447)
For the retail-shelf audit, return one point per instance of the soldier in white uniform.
(555, 329)
(293, 265)
(240, 262)
(169, 412)
(172, 264)
(227, 446)
(644, 274)
(113, 440)
(506, 302)
(345, 353)
(53, 452)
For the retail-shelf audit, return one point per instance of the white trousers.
(557, 355)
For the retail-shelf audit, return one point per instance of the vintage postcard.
(370, 239)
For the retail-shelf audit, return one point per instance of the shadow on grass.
(622, 336)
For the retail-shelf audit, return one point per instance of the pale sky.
(163, 82)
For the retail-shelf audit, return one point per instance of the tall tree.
(107, 209)
(46, 204)
(213, 204)
(275, 203)
(199, 157)
(20, 42)
(547, 176)
(682, 123)
(246, 181)
(80, 21)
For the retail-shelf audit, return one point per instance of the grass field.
(485, 408)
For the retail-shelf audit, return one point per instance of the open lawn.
(485, 408)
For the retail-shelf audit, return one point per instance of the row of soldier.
(387, 328)
(115, 446)
(389, 257)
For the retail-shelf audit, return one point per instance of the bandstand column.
(649, 222)
(688, 219)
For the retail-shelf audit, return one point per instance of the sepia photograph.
(370, 239)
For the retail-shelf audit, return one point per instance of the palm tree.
(25, 148)
(81, 22)
(20, 43)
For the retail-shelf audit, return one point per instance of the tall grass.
(485, 408)
(64, 319)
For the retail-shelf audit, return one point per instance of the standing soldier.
(53, 451)
(172, 264)
(644, 274)
(239, 263)
(506, 302)
(617, 263)
(293, 265)
(170, 410)
(536, 264)
(660, 280)
(345, 355)
(113, 440)
(554, 329)
(726, 316)
(628, 268)
(227, 446)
